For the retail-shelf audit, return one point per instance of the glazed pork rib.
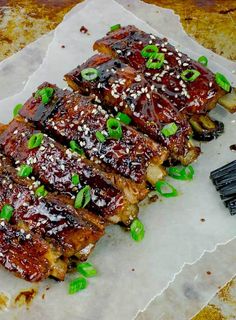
(122, 88)
(26, 254)
(53, 217)
(54, 166)
(71, 116)
(191, 97)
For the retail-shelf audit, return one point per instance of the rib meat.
(198, 96)
(52, 216)
(25, 253)
(121, 87)
(71, 116)
(54, 166)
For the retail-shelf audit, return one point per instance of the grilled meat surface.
(75, 117)
(54, 166)
(198, 96)
(25, 253)
(53, 216)
(121, 87)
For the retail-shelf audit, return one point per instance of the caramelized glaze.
(71, 116)
(122, 88)
(54, 166)
(198, 96)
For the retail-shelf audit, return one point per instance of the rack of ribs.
(68, 232)
(122, 88)
(70, 116)
(54, 166)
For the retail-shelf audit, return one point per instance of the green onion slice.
(35, 140)
(24, 171)
(185, 173)
(41, 192)
(149, 50)
(89, 74)
(203, 60)
(83, 197)
(17, 109)
(222, 81)
(75, 179)
(156, 61)
(115, 27)
(75, 147)
(123, 118)
(114, 128)
(190, 75)
(137, 230)
(86, 269)
(100, 136)
(166, 189)
(77, 285)
(169, 129)
(6, 212)
(45, 94)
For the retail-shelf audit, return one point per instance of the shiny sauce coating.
(75, 117)
(55, 165)
(51, 217)
(122, 88)
(198, 96)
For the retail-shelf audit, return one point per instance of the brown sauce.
(25, 297)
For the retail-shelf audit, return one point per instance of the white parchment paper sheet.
(174, 233)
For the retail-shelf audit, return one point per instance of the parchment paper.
(174, 233)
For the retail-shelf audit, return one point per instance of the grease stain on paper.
(25, 297)
(211, 312)
(4, 301)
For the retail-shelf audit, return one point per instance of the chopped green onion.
(75, 179)
(156, 61)
(6, 212)
(35, 140)
(190, 75)
(89, 74)
(45, 94)
(17, 109)
(114, 128)
(77, 285)
(83, 197)
(115, 27)
(185, 173)
(203, 60)
(41, 192)
(123, 118)
(222, 81)
(100, 136)
(75, 147)
(24, 171)
(149, 50)
(86, 269)
(169, 129)
(137, 230)
(162, 185)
